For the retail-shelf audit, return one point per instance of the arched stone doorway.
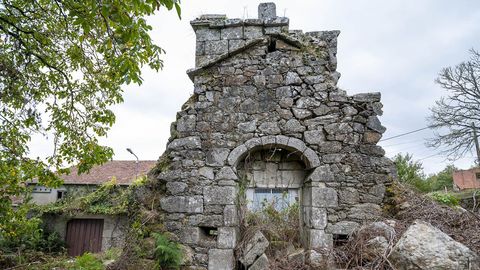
(279, 164)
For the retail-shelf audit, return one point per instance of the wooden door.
(84, 235)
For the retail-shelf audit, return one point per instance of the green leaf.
(178, 9)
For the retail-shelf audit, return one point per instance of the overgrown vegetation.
(88, 262)
(445, 198)
(167, 253)
(407, 205)
(109, 199)
(24, 239)
(280, 227)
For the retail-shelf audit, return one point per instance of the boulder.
(254, 248)
(423, 246)
(261, 263)
(297, 256)
(379, 238)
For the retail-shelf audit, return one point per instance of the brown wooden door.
(84, 235)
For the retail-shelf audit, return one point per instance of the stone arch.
(309, 157)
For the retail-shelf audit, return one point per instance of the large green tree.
(62, 66)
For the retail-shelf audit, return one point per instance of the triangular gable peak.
(219, 38)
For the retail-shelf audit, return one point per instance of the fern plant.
(167, 253)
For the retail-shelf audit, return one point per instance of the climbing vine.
(109, 199)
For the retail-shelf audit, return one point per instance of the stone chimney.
(267, 11)
(217, 35)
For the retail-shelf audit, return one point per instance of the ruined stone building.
(266, 117)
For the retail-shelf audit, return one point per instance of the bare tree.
(453, 116)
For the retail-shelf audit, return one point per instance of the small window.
(280, 198)
(477, 175)
(272, 46)
(61, 194)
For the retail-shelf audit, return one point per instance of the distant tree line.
(411, 172)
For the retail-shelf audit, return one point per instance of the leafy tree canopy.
(62, 66)
(442, 179)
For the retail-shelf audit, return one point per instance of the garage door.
(84, 235)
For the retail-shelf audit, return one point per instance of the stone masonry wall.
(257, 86)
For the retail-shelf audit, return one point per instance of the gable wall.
(287, 97)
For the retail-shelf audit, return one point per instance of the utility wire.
(403, 134)
(403, 143)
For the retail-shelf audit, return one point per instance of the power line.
(403, 143)
(403, 134)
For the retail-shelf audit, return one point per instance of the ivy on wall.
(109, 199)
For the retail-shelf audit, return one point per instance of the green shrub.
(88, 262)
(444, 198)
(167, 253)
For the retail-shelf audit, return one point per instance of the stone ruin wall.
(257, 86)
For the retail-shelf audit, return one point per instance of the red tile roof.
(123, 170)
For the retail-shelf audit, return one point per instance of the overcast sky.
(393, 47)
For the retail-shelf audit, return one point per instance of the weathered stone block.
(232, 32)
(311, 158)
(192, 142)
(301, 113)
(205, 220)
(269, 128)
(227, 237)
(252, 143)
(230, 216)
(348, 195)
(294, 126)
(267, 11)
(217, 156)
(234, 44)
(205, 34)
(200, 48)
(365, 211)
(261, 263)
(216, 47)
(367, 97)
(371, 137)
(321, 174)
(226, 173)
(236, 154)
(182, 204)
(324, 197)
(374, 124)
(206, 172)
(189, 235)
(297, 144)
(314, 136)
(254, 248)
(292, 78)
(315, 218)
(176, 187)
(284, 91)
(219, 195)
(221, 259)
(342, 227)
(247, 127)
(307, 103)
(318, 239)
(251, 32)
